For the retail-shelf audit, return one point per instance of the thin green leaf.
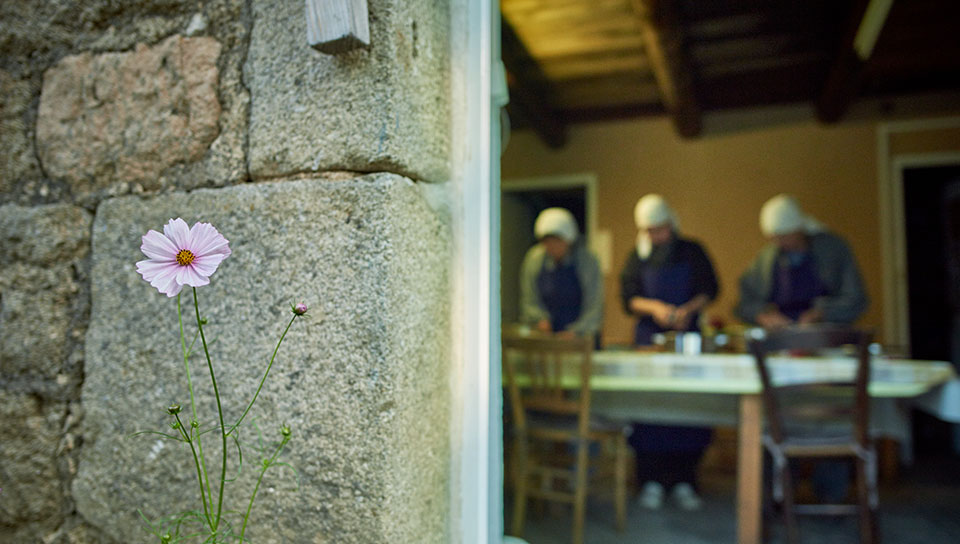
(240, 456)
(170, 436)
(148, 522)
(296, 474)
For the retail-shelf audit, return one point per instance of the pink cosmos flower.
(181, 255)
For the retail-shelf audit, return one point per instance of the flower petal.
(166, 282)
(205, 239)
(152, 269)
(157, 246)
(178, 232)
(171, 287)
(207, 264)
(188, 276)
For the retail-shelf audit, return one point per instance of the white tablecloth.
(703, 390)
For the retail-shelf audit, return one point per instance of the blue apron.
(671, 283)
(560, 293)
(796, 285)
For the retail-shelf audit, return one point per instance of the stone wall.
(44, 310)
(104, 120)
(116, 116)
(377, 109)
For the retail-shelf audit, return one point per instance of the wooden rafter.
(530, 89)
(663, 41)
(846, 72)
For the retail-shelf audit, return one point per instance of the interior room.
(850, 107)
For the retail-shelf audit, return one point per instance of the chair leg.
(789, 514)
(620, 482)
(867, 516)
(521, 480)
(580, 493)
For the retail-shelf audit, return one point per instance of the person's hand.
(813, 315)
(664, 314)
(773, 319)
(544, 325)
(682, 318)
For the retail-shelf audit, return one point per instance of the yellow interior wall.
(717, 184)
(925, 141)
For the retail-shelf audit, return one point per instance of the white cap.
(652, 211)
(782, 215)
(556, 222)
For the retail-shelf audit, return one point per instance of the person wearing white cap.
(667, 279)
(561, 289)
(804, 275)
(665, 283)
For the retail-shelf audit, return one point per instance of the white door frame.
(476, 474)
(896, 308)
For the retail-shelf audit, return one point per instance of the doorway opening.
(931, 201)
(520, 203)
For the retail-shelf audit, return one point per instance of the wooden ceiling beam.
(611, 90)
(744, 65)
(740, 48)
(597, 64)
(529, 89)
(846, 72)
(663, 40)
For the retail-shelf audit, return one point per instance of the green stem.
(216, 393)
(193, 404)
(263, 471)
(186, 359)
(264, 379)
(196, 463)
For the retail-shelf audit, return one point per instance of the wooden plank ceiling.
(571, 61)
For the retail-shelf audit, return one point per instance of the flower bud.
(174, 425)
(194, 423)
(300, 308)
(174, 409)
(203, 321)
(167, 537)
(285, 430)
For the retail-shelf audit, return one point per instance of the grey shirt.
(532, 309)
(846, 298)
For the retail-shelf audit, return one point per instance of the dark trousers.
(668, 454)
(668, 469)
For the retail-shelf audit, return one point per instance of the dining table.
(723, 389)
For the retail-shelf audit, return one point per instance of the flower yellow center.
(185, 257)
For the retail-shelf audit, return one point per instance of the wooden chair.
(812, 417)
(548, 380)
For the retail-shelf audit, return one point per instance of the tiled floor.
(921, 507)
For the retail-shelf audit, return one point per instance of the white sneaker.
(685, 497)
(651, 496)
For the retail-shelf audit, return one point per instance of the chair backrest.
(549, 376)
(821, 399)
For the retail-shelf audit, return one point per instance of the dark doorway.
(930, 200)
(932, 216)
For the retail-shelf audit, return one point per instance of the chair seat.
(827, 431)
(600, 428)
(820, 448)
